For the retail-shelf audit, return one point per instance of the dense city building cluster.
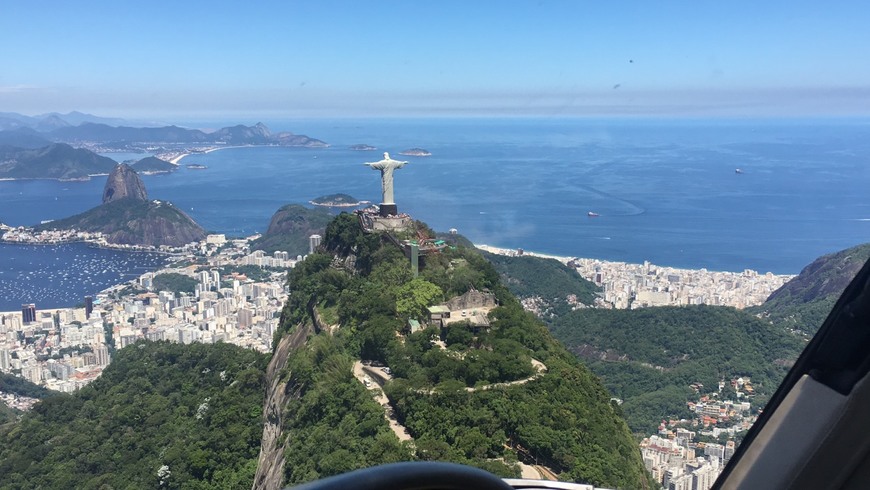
(65, 349)
(680, 463)
(676, 457)
(630, 286)
(30, 236)
(60, 349)
(641, 285)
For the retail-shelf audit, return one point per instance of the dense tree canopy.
(650, 356)
(548, 279)
(194, 409)
(444, 393)
(172, 281)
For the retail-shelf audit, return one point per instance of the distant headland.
(416, 152)
(61, 151)
(337, 201)
(362, 147)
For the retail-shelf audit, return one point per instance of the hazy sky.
(186, 60)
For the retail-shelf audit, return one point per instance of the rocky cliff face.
(128, 217)
(826, 276)
(123, 183)
(270, 466)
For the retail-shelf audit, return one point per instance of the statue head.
(386, 155)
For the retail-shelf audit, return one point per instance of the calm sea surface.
(54, 276)
(666, 190)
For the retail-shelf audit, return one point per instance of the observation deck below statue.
(380, 218)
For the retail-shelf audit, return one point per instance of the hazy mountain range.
(77, 128)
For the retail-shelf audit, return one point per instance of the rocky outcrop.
(270, 466)
(127, 217)
(472, 299)
(124, 183)
(826, 276)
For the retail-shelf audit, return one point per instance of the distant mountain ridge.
(26, 153)
(52, 120)
(55, 161)
(77, 127)
(257, 134)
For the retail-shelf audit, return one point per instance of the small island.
(416, 152)
(196, 166)
(362, 147)
(152, 166)
(337, 201)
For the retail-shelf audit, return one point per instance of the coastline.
(59, 179)
(564, 260)
(95, 244)
(340, 205)
(513, 253)
(177, 159)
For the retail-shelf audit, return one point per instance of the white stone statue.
(386, 166)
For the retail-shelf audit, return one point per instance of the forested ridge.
(650, 356)
(803, 303)
(162, 415)
(9, 383)
(562, 419)
(547, 279)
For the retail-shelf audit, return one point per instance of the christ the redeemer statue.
(387, 166)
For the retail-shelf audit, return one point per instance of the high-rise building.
(246, 318)
(28, 313)
(313, 243)
(5, 360)
(102, 355)
(89, 306)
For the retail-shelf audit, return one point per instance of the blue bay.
(666, 190)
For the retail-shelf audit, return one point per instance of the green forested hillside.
(20, 386)
(153, 164)
(175, 282)
(335, 425)
(290, 228)
(135, 222)
(804, 302)
(443, 396)
(55, 161)
(193, 410)
(7, 414)
(10, 383)
(650, 356)
(548, 279)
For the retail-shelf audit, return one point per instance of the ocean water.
(53, 276)
(666, 190)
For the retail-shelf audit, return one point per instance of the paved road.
(539, 367)
(376, 389)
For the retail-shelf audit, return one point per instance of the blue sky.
(188, 60)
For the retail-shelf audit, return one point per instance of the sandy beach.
(175, 160)
(513, 253)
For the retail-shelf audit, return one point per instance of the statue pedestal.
(388, 209)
